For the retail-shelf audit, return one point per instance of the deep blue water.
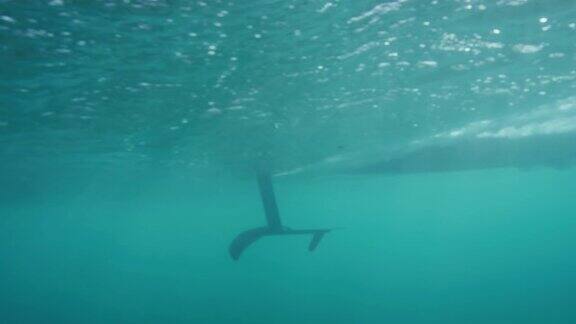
(436, 138)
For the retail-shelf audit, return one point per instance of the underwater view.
(288, 161)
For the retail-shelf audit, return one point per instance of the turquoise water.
(437, 139)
